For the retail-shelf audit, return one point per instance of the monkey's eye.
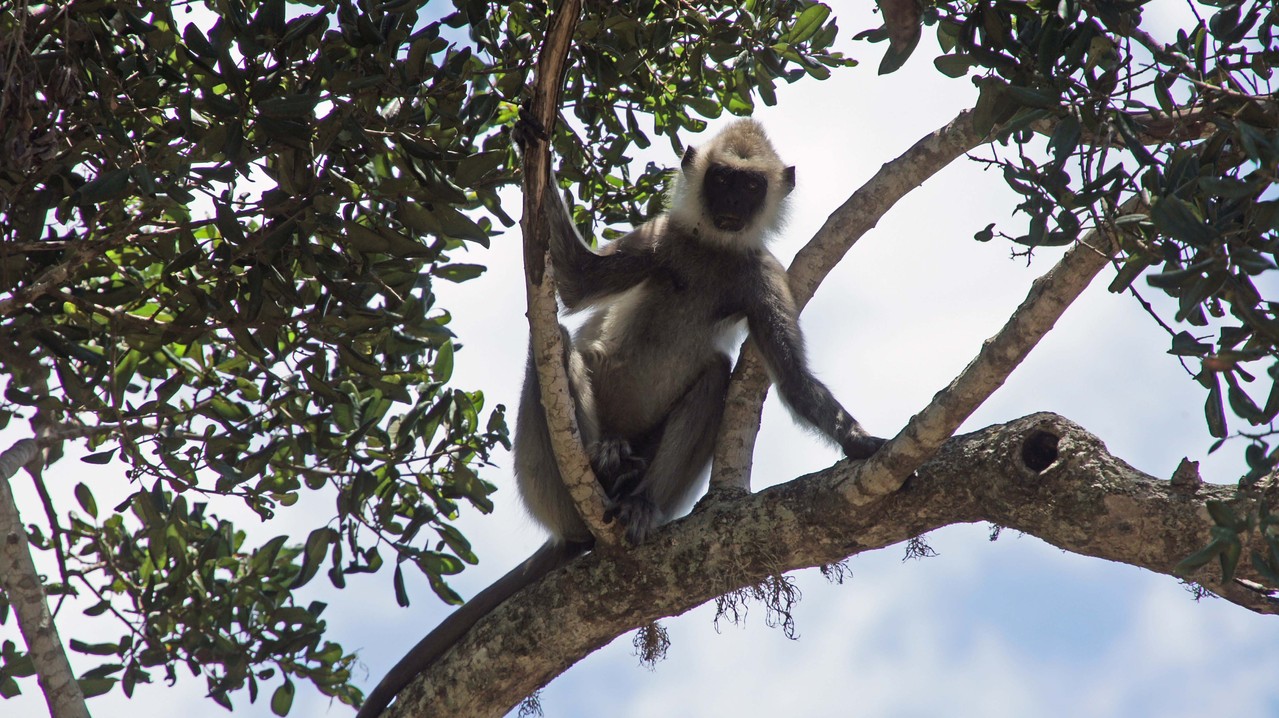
(752, 186)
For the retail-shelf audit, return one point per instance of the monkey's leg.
(681, 455)
(536, 473)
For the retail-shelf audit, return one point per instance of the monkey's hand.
(860, 445)
(528, 130)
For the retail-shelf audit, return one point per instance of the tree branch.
(22, 585)
(858, 215)
(1049, 297)
(1042, 475)
(543, 310)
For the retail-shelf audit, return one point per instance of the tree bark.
(22, 585)
(1042, 475)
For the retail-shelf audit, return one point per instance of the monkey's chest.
(650, 350)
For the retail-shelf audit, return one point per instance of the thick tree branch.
(858, 215)
(543, 310)
(1042, 475)
(22, 586)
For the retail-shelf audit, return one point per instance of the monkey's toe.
(638, 514)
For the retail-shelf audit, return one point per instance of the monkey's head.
(732, 191)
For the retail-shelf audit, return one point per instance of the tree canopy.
(222, 225)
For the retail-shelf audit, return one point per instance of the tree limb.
(858, 215)
(1041, 475)
(22, 585)
(1049, 296)
(543, 310)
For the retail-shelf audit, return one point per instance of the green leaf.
(1215, 412)
(401, 595)
(94, 649)
(109, 185)
(1224, 516)
(91, 687)
(296, 106)
(1229, 558)
(1185, 344)
(1183, 221)
(317, 547)
(459, 272)
(1200, 558)
(102, 457)
(478, 167)
(282, 698)
(1065, 139)
(443, 370)
(956, 65)
(85, 497)
(807, 24)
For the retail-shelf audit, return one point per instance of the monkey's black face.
(733, 196)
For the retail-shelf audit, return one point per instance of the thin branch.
(1041, 475)
(858, 215)
(22, 586)
(543, 310)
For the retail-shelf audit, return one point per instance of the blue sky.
(1009, 628)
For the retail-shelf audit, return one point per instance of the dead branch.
(1049, 297)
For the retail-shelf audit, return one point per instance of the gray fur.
(646, 367)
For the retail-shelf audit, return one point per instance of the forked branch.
(1041, 475)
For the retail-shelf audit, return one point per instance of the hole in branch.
(1040, 450)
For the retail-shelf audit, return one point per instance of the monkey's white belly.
(640, 367)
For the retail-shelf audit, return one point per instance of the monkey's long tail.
(549, 557)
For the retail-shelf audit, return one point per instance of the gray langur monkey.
(647, 368)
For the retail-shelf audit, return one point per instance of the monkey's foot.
(527, 130)
(862, 446)
(616, 466)
(638, 514)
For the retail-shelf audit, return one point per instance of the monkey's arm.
(583, 276)
(774, 325)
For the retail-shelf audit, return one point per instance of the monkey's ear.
(690, 155)
(788, 179)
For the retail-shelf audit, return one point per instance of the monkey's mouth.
(729, 223)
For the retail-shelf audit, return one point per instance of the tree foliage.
(220, 226)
